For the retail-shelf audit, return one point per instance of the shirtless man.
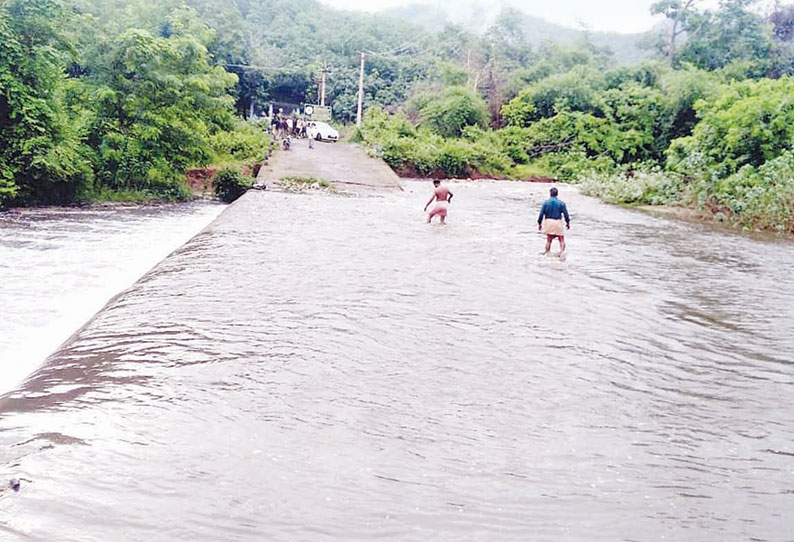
(443, 197)
(550, 222)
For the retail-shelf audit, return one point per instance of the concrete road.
(347, 166)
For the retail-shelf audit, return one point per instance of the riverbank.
(765, 207)
(198, 186)
(703, 218)
(720, 220)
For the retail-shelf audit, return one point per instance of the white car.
(321, 131)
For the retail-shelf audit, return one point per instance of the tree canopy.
(104, 96)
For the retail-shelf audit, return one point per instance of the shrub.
(636, 187)
(576, 90)
(513, 141)
(456, 158)
(748, 124)
(230, 184)
(244, 143)
(757, 198)
(450, 111)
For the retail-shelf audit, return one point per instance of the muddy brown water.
(320, 367)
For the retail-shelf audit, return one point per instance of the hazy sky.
(615, 15)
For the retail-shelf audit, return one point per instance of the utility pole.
(360, 109)
(322, 84)
(468, 67)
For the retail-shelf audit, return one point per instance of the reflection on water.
(314, 367)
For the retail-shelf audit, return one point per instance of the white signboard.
(317, 112)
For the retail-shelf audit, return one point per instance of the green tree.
(158, 100)
(681, 13)
(732, 33)
(453, 109)
(42, 157)
(748, 124)
(576, 90)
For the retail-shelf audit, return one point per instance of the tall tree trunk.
(675, 32)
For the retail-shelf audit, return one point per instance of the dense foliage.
(102, 98)
(708, 125)
(89, 110)
(230, 184)
(41, 150)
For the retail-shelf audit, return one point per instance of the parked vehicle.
(321, 131)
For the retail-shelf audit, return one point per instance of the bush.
(455, 159)
(576, 90)
(748, 124)
(245, 142)
(636, 187)
(450, 111)
(513, 141)
(756, 198)
(408, 149)
(230, 184)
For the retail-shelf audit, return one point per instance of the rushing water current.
(327, 368)
(59, 266)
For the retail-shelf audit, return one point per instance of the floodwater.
(59, 266)
(327, 368)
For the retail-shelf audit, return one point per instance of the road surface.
(347, 166)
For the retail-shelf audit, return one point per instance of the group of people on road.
(550, 220)
(285, 126)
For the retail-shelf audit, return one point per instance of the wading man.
(442, 197)
(550, 221)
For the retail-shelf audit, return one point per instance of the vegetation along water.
(115, 100)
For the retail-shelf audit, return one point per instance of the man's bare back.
(442, 197)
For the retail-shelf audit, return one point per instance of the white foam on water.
(60, 267)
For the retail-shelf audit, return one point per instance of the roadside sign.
(317, 112)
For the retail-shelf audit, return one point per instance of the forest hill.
(104, 101)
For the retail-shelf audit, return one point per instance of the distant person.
(442, 196)
(550, 221)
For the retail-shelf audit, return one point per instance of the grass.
(301, 184)
(527, 172)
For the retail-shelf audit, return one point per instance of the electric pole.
(322, 84)
(360, 109)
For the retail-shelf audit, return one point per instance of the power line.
(264, 68)
(399, 50)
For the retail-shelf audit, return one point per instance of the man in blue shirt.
(550, 221)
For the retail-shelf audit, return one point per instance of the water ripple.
(314, 367)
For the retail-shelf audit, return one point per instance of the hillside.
(478, 17)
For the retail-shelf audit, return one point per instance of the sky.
(625, 16)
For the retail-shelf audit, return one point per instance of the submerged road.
(326, 368)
